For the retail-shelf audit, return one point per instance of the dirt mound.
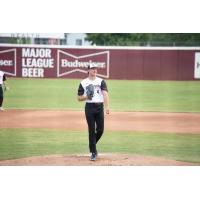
(102, 160)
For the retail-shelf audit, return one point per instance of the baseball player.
(2, 84)
(94, 91)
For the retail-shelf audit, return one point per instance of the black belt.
(95, 104)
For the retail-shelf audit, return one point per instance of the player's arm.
(106, 101)
(105, 96)
(81, 96)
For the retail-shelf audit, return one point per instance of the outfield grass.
(18, 143)
(163, 96)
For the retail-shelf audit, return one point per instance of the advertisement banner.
(120, 63)
(8, 61)
(38, 62)
(69, 63)
(35, 61)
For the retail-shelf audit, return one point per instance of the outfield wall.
(131, 63)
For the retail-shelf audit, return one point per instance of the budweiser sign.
(8, 62)
(69, 63)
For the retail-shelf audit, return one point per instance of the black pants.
(1, 95)
(95, 119)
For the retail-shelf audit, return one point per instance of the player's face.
(93, 71)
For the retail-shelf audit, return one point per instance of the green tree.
(175, 39)
(15, 40)
(122, 39)
(143, 39)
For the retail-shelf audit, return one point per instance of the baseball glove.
(90, 91)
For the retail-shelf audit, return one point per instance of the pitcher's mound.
(102, 160)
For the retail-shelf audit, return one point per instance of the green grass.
(162, 96)
(18, 143)
(40, 93)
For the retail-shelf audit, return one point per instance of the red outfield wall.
(136, 63)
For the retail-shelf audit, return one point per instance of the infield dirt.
(115, 121)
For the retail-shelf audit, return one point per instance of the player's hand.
(107, 111)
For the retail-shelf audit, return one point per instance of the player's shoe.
(1, 109)
(93, 157)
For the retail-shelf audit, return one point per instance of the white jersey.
(99, 85)
(2, 77)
